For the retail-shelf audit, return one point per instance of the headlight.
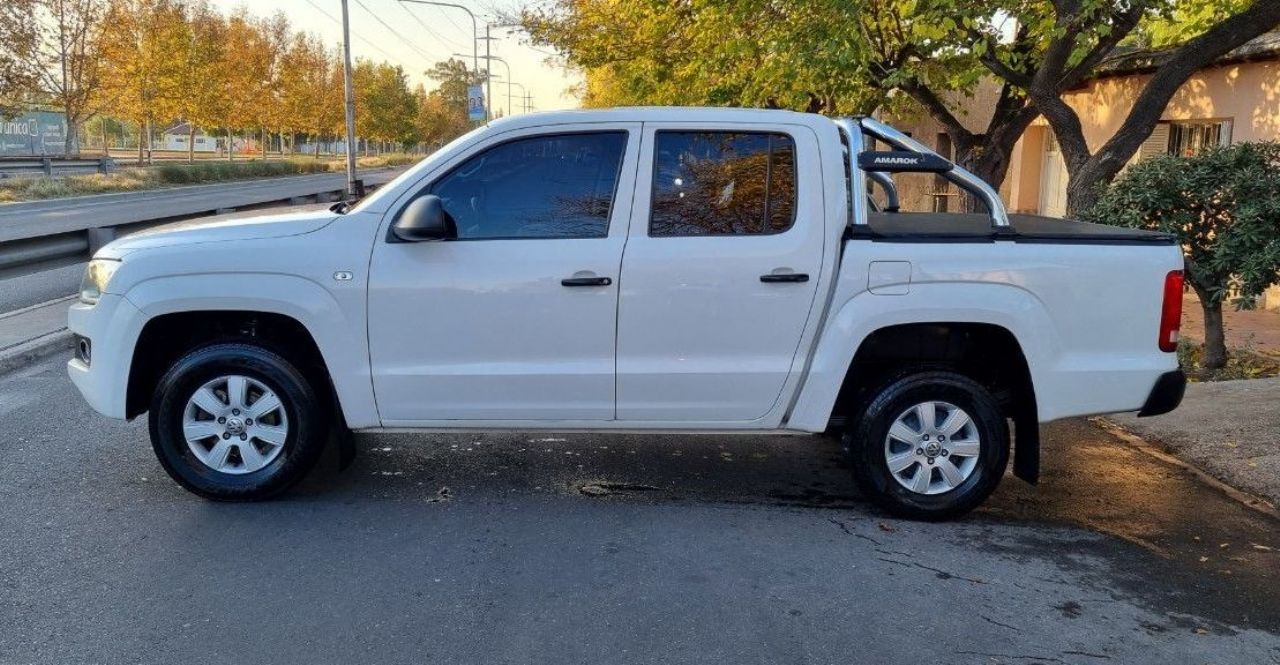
(96, 276)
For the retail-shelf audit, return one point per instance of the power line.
(410, 44)
(447, 17)
(441, 38)
(358, 35)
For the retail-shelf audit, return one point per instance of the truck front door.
(515, 319)
(720, 270)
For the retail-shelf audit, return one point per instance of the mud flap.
(342, 438)
(346, 443)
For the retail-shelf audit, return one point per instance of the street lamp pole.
(353, 186)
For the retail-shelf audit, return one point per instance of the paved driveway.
(610, 549)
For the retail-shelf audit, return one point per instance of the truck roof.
(662, 114)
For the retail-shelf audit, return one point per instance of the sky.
(417, 36)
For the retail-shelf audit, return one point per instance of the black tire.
(308, 421)
(865, 443)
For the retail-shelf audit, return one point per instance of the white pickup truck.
(659, 270)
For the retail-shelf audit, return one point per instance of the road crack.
(997, 623)
(1043, 659)
(942, 574)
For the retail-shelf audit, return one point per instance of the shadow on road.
(1174, 531)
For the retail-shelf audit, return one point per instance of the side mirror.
(902, 161)
(423, 219)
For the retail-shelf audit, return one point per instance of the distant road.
(34, 219)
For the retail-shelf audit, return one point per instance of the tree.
(18, 50)
(1224, 206)
(712, 52)
(140, 74)
(437, 122)
(385, 108)
(309, 99)
(243, 76)
(201, 98)
(442, 113)
(276, 35)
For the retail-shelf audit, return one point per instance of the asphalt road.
(536, 548)
(25, 290)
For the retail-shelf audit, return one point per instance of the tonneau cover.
(972, 227)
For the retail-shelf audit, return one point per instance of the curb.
(28, 352)
(1153, 447)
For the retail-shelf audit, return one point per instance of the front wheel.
(930, 445)
(236, 422)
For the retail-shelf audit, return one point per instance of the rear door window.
(722, 183)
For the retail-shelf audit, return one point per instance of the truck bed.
(936, 227)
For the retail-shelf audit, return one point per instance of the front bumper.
(112, 325)
(1166, 395)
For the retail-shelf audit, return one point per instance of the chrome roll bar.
(958, 175)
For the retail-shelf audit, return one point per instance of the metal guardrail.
(60, 247)
(11, 167)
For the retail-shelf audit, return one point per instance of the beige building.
(1236, 99)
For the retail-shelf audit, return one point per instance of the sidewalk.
(1253, 330)
(1226, 428)
(33, 332)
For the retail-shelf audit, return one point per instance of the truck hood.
(196, 232)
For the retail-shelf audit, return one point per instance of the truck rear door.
(720, 270)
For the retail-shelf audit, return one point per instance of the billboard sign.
(475, 102)
(33, 134)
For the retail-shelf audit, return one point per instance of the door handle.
(586, 281)
(785, 277)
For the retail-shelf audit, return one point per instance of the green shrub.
(1224, 207)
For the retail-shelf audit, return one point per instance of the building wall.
(916, 191)
(1246, 93)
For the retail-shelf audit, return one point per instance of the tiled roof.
(1123, 62)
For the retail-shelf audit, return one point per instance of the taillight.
(1171, 311)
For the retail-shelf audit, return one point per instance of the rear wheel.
(930, 445)
(236, 422)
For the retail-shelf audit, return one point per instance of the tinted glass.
(558, 186)
(722, 183)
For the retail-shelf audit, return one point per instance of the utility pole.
(488, 80)
(355, 188)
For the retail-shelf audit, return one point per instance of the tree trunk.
(231, 146)
(191, 143)
(106, 150)
(1215, 343)
(73, 138)
(141, 155)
